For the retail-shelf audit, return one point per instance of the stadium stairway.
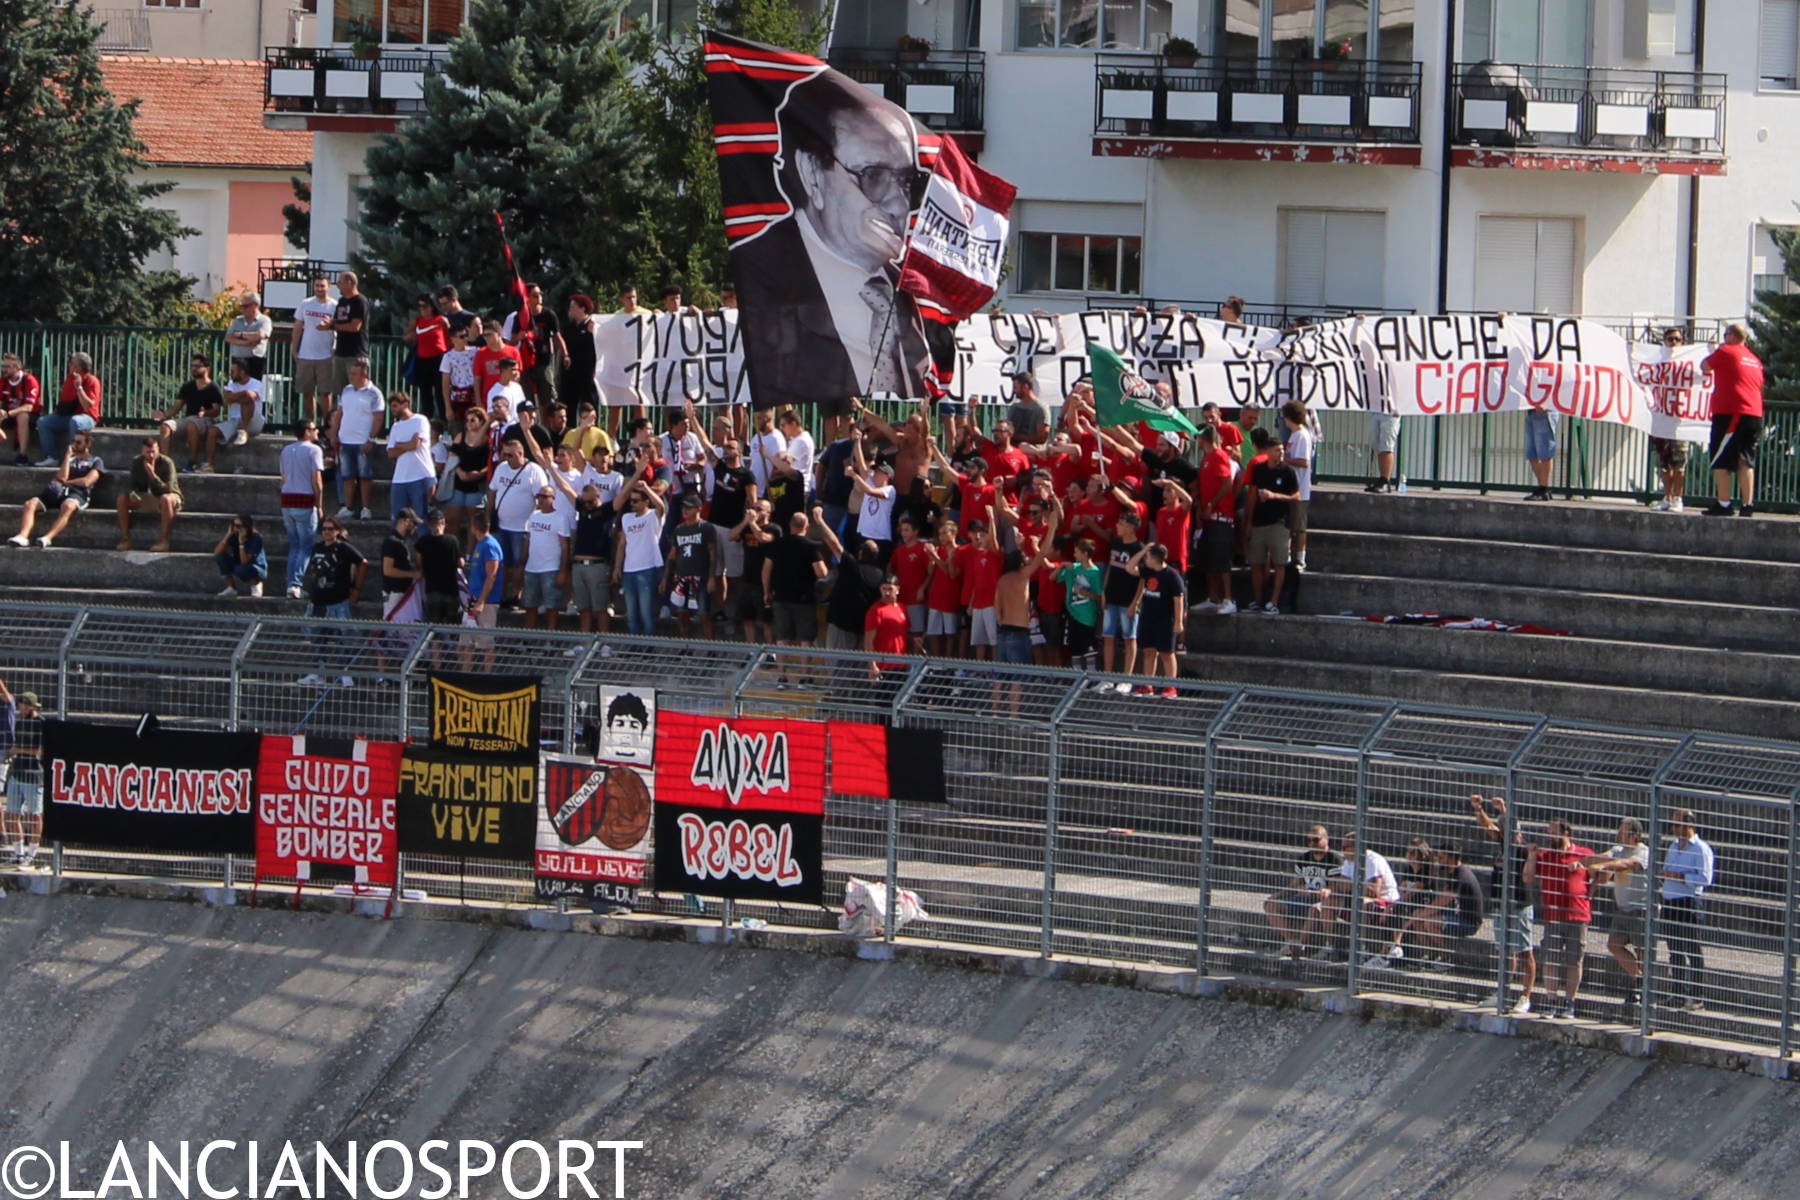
(1678, 620)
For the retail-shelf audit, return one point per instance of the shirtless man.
(912, 440)
(1012, 598)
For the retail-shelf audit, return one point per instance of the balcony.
(942, 89)
(1257, 109)
(284, 282)
(122, 31)
(332, 89)
(1542, 118)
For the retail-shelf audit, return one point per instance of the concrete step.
(219, 493)
(1625, 572)
(1679, 712)
(261, 456)
(1614, 616)
(1671, 668)
(1600, 525)
(78, 575)
(193, 532)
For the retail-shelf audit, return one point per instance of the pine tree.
(1775, 325)
(667, 97)
(296, 218)
(523, 120)
(74, 227)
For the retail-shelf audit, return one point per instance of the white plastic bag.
(866, 906)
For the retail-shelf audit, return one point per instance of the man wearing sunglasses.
(822, 320)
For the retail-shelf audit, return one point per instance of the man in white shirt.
(507, 390)
(302, 501)
(312, 349)
(242, 415)
(1300, 444)
(512, 498)
(354, 426)
(680, 447)
(409, 448)
(637, 555)
(1381, 893)
(873, 496)
(799, 444)
(547, 531)
(600, 473)
(765, 444)
(248, 334)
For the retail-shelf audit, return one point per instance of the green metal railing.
(142, 370)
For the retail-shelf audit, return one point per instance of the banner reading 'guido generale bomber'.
(325, 809)
(174, 789)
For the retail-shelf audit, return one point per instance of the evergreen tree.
(297, 217)
(74, 228)
(1775, 325)
(666, 95)
(522, 121)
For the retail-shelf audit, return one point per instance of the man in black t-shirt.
(695, 576)
(349, 325)
(1455, 911)
(590, 559)
(398, 571)
(1273, 486)
(733, 495)
(1300, 910)
(1118, 622)
(1164, 461)
(440, 558)
(791, 572)
(334, 574)
(196, 410)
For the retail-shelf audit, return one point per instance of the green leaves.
(1775, 325)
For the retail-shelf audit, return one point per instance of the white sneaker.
(228, 590)
(1376, 962)
(366, 515)
(1269, 610)
(1124, 689)
(242, 438)
(1660, 506)
(1675, 504)
(1204, 608)
(256, 589)
(344, 681)
(20, 540)
(344, 513)
(1300, 561)
(1228, 609)
(296, 593)
(44, 543)
(47, 462)
(1523, 1007)
(1396, 953)
(1103, 687)
(312, 680)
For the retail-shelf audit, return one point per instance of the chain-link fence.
(1331, 840)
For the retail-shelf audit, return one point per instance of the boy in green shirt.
(1082, 579)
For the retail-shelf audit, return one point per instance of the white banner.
(1408, 365)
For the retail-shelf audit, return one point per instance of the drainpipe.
(1693, 205)
(1449, 76)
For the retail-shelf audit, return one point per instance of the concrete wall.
(238, 218)
(216, 29)
(337, 158)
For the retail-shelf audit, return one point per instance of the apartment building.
(1624, 158)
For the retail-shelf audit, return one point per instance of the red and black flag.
(522, 326)
(885, 761)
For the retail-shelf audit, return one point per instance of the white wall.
(336, 158)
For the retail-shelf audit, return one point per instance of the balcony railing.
(284, 282)
(1606, 109)
(302, 79)
(1257, 99)
(942, 89)
(122, 31)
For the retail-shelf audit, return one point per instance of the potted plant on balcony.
(1179, 52)
(912, 49)
(365, 50)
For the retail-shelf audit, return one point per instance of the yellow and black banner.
(495, 716)
(467, 806)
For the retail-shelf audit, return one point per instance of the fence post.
(1787, 924)
(233, 718)
(1053, 769)
(62, 665)
(1647, 1001)
(1358, 874)
(1209, 781)
(568, 730)
(403, 709)
(915, 676)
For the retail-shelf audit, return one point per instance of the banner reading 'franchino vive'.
(173, 789)
(740, 806)
(471, 791)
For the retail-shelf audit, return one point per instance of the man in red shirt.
(1004, 460)
(1737, 383)
(978, 565)
(488, 360)
(1217, 515)
(77, 409)
(1562, 883)
(885, 628)
(943, 594)
(1173, 519)
(911, 565)
(21, 402)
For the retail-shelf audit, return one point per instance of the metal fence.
(1084, 818)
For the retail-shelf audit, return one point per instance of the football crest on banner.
(1133, 387)
(607, 804)
(627, 725)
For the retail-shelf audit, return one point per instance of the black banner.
(491, 715)
(174, 789)
(740, 854)
(468, 806)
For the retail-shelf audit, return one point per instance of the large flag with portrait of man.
(821, 179)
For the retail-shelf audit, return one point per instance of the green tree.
(522, 121)
(1775, 325)
(75, 228)
(666, 95)
(297, 217)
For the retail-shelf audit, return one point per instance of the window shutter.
(1505, 254)
(1779, 50)
(1554, 282)
(1303, 256)
(1355, 259)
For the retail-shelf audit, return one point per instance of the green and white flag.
(1122, 397)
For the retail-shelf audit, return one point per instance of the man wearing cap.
(399, 574)
(873, 492)
(248, 336)
(440, 558)
(694, 577)
(23, 732)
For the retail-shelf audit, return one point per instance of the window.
(166, 4)
(1093, 24)
(1332, 258)
(395, 22)
(1768, 267)
(1080, 262)
(1309, 29)
(1778, 51)
(1526, 264)
(1552, 32)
